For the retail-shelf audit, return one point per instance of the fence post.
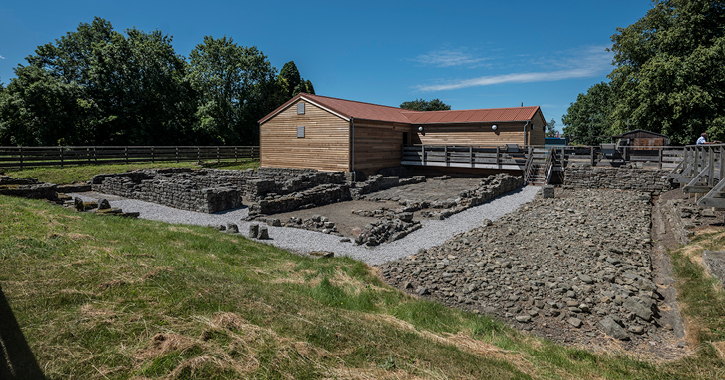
(177, 153)
(235, 154)
(711, 164)
(153, 159)
(95, 155)
(445, 154)
(659, 162)
(217, 155)
(470, 155)
(592, 154)
(198, 155)
(21, 157)
(61, 156)
(125, 154)
(423, 154)
(88, 154)
(498, 157)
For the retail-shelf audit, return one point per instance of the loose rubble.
(574, 268)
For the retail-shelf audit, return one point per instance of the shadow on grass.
(16, 359)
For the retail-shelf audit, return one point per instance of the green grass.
(104, 297)
(82, 173)
(703, 295)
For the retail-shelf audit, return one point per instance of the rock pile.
(571, 268)
(317, 223)
(387, 230)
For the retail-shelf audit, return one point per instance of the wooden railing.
(493, 157)
(702, 171)
(84, 155)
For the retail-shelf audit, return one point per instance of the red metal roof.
(359, 110)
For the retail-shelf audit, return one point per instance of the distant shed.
(641, 138)
(330, 134)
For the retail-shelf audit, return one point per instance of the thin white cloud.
(448, 58)
(1, 57)
(592, 61)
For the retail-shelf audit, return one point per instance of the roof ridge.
(471, 109)
(354, 101)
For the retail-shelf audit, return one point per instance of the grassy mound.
(114, 298)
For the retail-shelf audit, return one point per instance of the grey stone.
(548, 191)
(638, 309)
(523, 318)
(586, 279)
(263, 233)
(254, 230)
(610, 327)
(232, 228)
(103, 204)
(576, 322)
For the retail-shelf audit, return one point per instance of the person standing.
(703, 140)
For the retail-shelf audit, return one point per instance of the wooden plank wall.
(324, 147)
(537, 136)
(378, 145)
(471, 134)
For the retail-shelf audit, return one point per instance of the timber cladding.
(325, 145)
(330, 134)
(471, 134)
(377, 145)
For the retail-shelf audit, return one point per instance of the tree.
(424, 105)
(668, 76)
(233, 82)
(97, 86)
(551, 128)
(588, 119)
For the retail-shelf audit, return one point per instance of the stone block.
(254, 230)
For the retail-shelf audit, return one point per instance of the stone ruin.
(276, 191)
(28, 188)
(272, 190)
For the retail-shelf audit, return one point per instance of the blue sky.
(470, 54)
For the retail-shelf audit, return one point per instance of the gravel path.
(433, 233)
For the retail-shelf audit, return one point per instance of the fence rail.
(13, 156)
(513, 157)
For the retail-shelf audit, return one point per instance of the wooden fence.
(518, 158)
(13, 156)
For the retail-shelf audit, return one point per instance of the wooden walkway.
(702, 171)
(538, 162)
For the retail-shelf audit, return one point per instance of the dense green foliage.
(424, 105)
(96, 86)
(551, 128)
(588, 119)
(668, 78)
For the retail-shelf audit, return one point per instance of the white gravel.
(433, 232)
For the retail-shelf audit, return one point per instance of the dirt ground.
(348, 224)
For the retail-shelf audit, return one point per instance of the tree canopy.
(668, 76)
(424, 105)
(96, 86)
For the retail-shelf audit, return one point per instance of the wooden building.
(330, 134)
(641, 138)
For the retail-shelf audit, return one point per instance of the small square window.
(301, 109)
(300, 132)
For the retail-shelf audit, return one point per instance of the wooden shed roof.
(347, 109)
(640, 133)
